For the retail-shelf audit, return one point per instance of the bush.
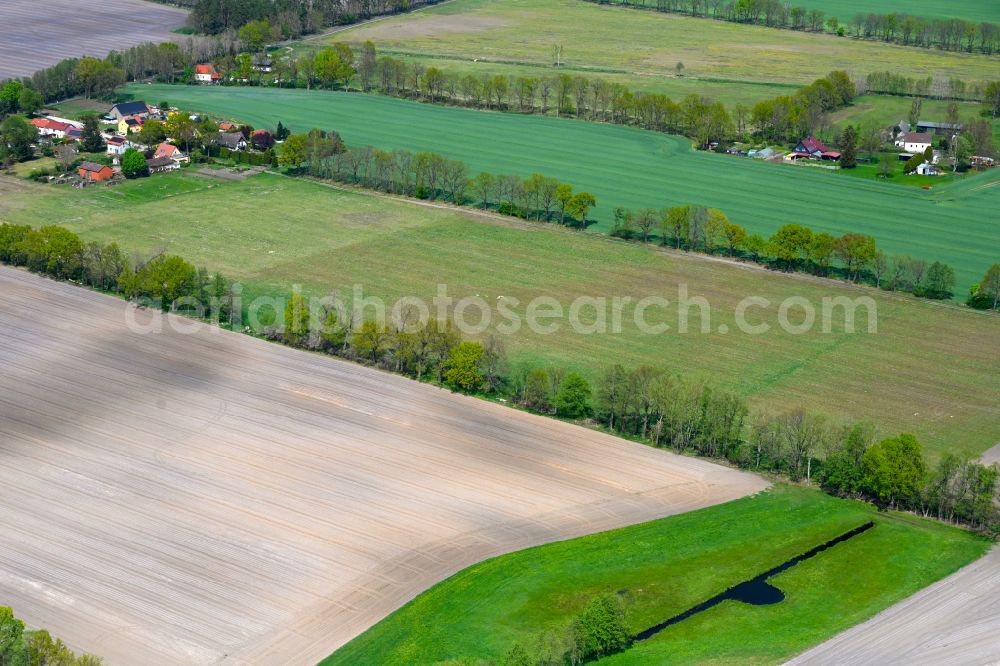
(463, 368)
(573, 399)
(134, 164)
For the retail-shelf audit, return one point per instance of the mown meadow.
(625, 166)
(927, 370)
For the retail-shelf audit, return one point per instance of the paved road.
(39, 34)
(955, 622)
(211, 498)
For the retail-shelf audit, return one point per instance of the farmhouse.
(232, 140)
(94, 172)
(129, 109)
(160, 164)
(914, 142)
(262, 63)
(206, 74)
(813, 148)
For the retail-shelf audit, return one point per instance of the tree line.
(648, 403)
(20, 647)
(290, 18)
(698, 117)
(950, 34)
(793, 247)
(163, 278)
(429, 175)
(690, 416)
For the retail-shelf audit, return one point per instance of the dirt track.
(39, 34)
(214, 499)
(955, 622)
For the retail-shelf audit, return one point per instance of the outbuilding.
(95, 172)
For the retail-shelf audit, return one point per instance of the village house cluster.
(121, 130)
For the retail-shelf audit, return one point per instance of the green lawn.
(887, 110)
(969, 10)
(928, 370)
(844, 10)
(524, 31)
(636, 168)
(667, 566)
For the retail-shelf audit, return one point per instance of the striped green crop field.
(625, 166)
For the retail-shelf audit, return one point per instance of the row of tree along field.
(950, 34)
(787, 117)
(646, 403)
(19, 647)
(287, 19)
(425, 175)
(428, 175)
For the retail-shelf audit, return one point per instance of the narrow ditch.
(756, 591)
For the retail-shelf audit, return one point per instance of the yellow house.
(129, 124)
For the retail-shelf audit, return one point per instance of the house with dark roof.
(813, 148)
(232, 140)
(95, 173)
(940, 129)
(262, 62)
(117, 145)
(129, 109)
(160, 164)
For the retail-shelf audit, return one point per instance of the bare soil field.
(37, 35)
(954, 622)
(210, 498)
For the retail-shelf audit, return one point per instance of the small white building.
(117, 145)
(926, 169)
(914, 142)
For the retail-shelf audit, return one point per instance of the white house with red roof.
(53, 128)
(206, 73)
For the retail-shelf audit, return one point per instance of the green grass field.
(636, 168)
(928, 370)
(844, 10)
(524, 31)
(666, 566)
(886, 110)
(969, 10)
